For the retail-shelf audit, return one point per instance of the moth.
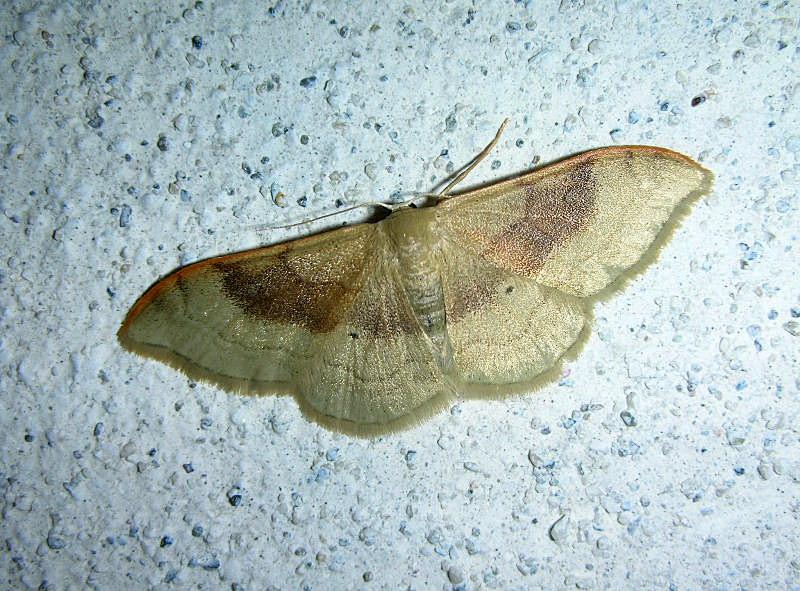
(377, 326)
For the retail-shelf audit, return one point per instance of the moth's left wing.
(245, 321)
(325, 318)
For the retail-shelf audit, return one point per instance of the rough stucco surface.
(136, 138)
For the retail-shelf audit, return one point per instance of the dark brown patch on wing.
(556, 207)
(382, 318)
(469, 290)
(545, 213)
(381, 308)
(273, 289)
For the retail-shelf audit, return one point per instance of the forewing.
(246, 321)
(579, 224)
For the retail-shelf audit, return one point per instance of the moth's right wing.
(580, 224)
(506, 332)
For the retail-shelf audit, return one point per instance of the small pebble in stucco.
(96, 121)
(211, 564)
(450, 122)
(560, 528)
(234, 496)
(55, 542)
(455, 575)
(125, 215)
(628, 418)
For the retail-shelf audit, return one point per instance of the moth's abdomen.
(418, 252)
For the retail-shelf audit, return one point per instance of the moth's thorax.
(414, 239)
(411, 228)
(416, 244)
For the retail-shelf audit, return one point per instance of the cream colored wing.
(376, 371)
(246, 321)
(324, 318)
(580, 224)
(506, 331)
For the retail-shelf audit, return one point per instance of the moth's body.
(415, 241)
(375, 326)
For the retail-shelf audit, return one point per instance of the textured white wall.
(117, 473)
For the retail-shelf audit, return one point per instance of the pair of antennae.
(443, 194)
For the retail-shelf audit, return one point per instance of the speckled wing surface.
(322, 317)
(376, 326)
(551, 242)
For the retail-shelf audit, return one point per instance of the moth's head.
(418, 201)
